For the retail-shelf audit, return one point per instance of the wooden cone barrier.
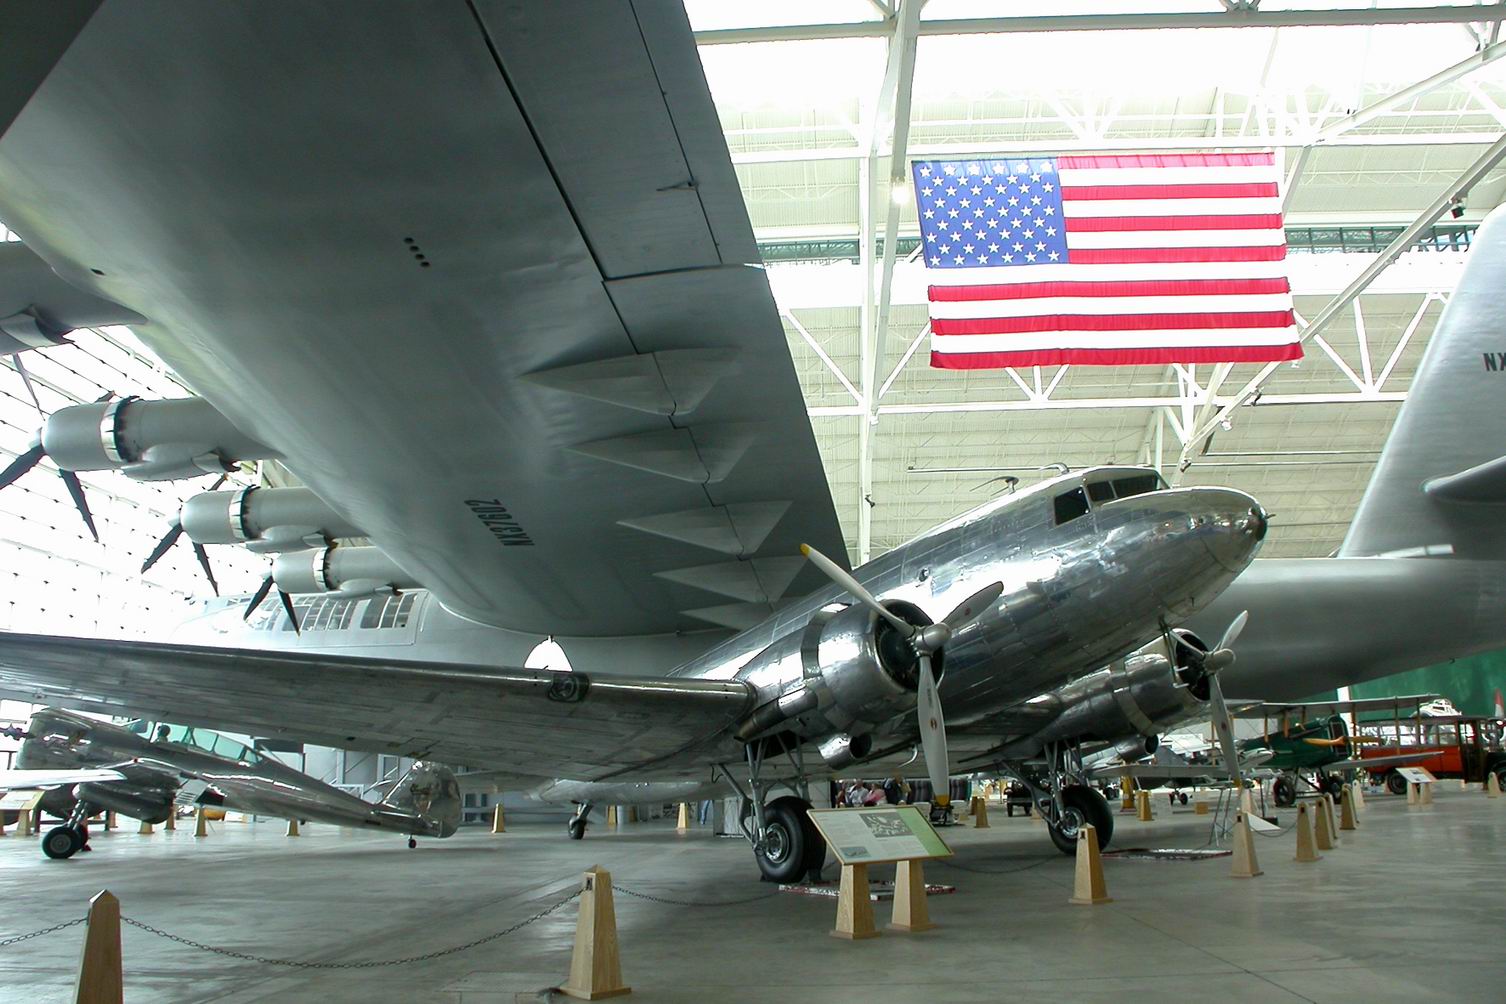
(499, 822)
(595, 967)
(172, 819)
(1305, 849)
(683, 823)
(1492, 785)
(910, 910)
(293, 828)
(980, 815)
(100, 972)
(1347, 818)
(1088, 887)
(1245, 864)
(1127, 800)
(611, 817)
(146, 828)
(200, 823)
(854, 905)
(1359, 798)
(1322, 830)
(1142, 798)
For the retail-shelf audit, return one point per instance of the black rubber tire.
(412, 843)
(576, 828)
(1331, 784)
(1283, 791)
(61, 842)
(1083, 805)
(1396, 784)
(1182, 797)
(789, 833)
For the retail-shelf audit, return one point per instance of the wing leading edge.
(533, 722)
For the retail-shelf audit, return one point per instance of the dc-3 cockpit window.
(1070, 505)
(1138, 485)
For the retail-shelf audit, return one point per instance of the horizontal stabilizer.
(1483, 483)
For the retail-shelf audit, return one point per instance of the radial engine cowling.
(1141, 695)
(265, 520)
(855, 673)
(347, 571)
(147, 440)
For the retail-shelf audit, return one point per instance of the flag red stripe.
(1107, 224)
(1158, 287)
(1232, 191)
(1129, 256)
(1116, 357)
(1255, 159)
(1110, 322)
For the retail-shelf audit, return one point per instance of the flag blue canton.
(989, 213)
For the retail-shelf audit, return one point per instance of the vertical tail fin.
(1440, 486)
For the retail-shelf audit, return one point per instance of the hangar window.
(1070, 505)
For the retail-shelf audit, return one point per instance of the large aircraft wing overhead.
(480, 273)
(535, 722)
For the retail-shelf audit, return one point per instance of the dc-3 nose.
(1229, 523)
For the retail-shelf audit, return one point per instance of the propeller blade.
(76, 491)
(163, 546)
(834, 572)
(203, 556)
(932, 732)
(256, 598)
(21, 465)
(287, 604)
(1234, 630)
(1223, 724)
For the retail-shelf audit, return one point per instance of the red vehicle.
(1460, 747)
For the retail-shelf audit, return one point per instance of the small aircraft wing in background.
(1371, 763)
(1301, 711)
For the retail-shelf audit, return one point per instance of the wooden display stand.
(1323, 829)
(1492, 786)
(1142, 799)
(499, 823)
(854, 905)
(595, 966)
(293, 828)
(200, 823)
(1245, 864)
(611, 817)
(682, 825)
(145, 828)
(911, 912)
(980, 814)
(1348, 818)
(1088, 887)
(1306, 851)
(100, 979)
(171, 823)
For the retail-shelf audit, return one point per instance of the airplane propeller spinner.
(927, 640)
(175, 531)
(33, 456)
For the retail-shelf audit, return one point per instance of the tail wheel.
(62, 842)
(1283, 791)
(1080, 805)
(792, 844)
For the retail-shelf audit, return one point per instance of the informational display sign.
(882, 833)
(20, 799)
(1416, 775)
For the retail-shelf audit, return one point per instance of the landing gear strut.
(786, 844)
(1065, 799)
(73, 836)
(577, 824)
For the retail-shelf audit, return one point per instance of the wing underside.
(536, 723)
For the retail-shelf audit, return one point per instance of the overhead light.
(1228, 425)
(1456, 208)
(900, 193)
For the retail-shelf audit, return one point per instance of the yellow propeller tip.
(805, 549)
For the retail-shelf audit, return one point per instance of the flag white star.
(1035, 177)
(935, 261)
(941, 224)
(951, 191)
(967, 224)
(959, 260)
(1022, 169)
(994, 248)
(1014, 223)
(952, 213)
(1008, 258)
(968, 248)
(998, 168)
(930, 213)
(1035, 200)
(1011, 180)
(964, 203)
(1019, 247)
(977, 190)
(1024, 189)
(1054, 256)
(1050, 231)
(988, 201)
(1040, 246)
(1029, 234)
(1046, 167)
(926, 192)
(1050, 210)
(930, 238)
(1013, 201)
(946, 249)
(1030, 256)
(972, 169)
(925, 170)
(950, 169)
(983, 259)
(978, 213)
(1046, 186)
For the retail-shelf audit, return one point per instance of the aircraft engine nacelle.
(148, 440)
(265, 520)
(855, 673)
(38, 307)
(1140, 695)
(351, 572)
(150, 805)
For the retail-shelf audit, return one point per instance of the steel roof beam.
(1146, 21)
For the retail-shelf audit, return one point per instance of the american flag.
(1114, 260)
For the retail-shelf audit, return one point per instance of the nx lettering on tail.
(501, 523)
(1495, 362)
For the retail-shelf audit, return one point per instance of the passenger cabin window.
(1070, 505)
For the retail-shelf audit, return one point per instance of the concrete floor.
(1410, 908)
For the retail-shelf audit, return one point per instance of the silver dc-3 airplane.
(481, 277)
(145, 770)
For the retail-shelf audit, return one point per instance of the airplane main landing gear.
(412, 843)
(64, 841)
(1080, 805)
(786, 844)
(577, 824)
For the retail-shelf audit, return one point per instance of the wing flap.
(534, 722)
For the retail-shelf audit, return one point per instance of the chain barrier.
(366, 964)
(690, 902)
(950, 863)
(46, 930)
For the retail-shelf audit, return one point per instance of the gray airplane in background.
(144, 770)
(512, 339)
